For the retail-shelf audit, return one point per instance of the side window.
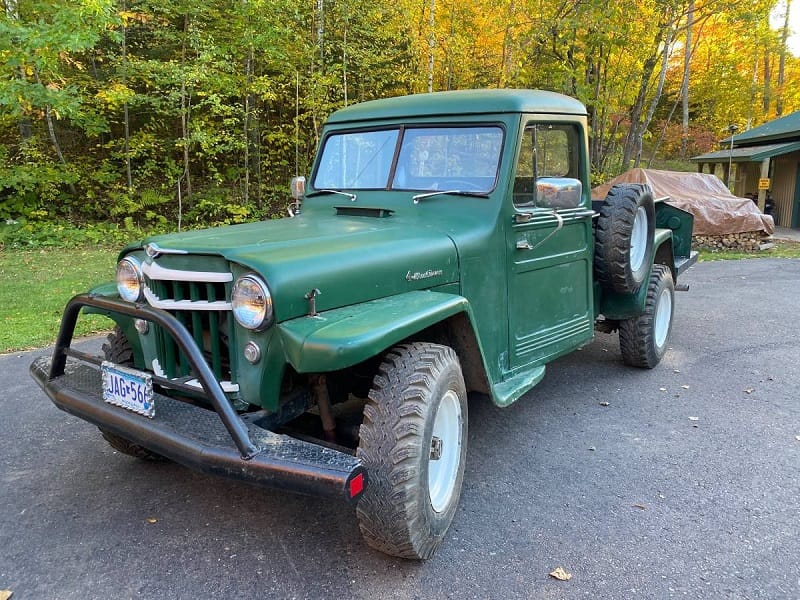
(548, 167)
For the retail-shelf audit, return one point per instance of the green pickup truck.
(445, 244)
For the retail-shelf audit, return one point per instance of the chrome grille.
(200, 300)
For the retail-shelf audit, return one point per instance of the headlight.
(251, 302)
(130, 280)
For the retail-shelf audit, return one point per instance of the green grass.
(782, 249)
(36, 285)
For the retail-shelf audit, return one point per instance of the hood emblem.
(416, 275)
(154, 251)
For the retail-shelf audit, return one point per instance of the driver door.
(549, 246)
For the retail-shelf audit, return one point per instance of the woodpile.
(749, 241)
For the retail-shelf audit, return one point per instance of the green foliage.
(214, 208)
(143, 209)
(41, 232)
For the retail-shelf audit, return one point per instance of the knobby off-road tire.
(413, 441)
(643, 339)
(118, 350)
(624, 238)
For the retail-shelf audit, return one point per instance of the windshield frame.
(401, 129)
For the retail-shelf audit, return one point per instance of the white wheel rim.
(638, 239)
(442, 472)
(663, 317)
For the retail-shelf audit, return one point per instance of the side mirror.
(298, 186)
(558, 192)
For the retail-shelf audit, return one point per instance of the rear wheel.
(413, 441)
(118, 350)
(643, 339)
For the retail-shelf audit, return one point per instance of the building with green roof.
(767, 160)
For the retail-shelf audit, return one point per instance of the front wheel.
(413, 441)
(643, 339)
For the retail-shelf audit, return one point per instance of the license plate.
(128, 388)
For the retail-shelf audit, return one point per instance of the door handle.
(524, 244)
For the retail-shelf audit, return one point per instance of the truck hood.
(348, 259)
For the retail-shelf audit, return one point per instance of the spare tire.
(624, 238)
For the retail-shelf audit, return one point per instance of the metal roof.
(782, 129)
(748, 153)
(462, 102)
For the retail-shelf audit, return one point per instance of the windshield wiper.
(321, 192)
(419, 197)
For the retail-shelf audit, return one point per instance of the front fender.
(343, 337)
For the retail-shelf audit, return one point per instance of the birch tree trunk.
(431, 44)
(51, 130)
(507, 57)
(782, 61)
(662, 74)
(185, 107)
(635, 132)
(687, 59)
(767, 92)
(126, 116)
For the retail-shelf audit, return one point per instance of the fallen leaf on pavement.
(152, 520)
(797, 437)
(694, 418)
(560, 574)
(662, 389)
(749, 390)
(640, 506)
(6, 594)
(604, 404)
(686, 387)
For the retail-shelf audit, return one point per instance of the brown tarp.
(716, 211)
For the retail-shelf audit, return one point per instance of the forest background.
(123, 117)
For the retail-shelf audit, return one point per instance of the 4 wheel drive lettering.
(367, 401)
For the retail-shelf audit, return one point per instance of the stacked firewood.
(749, 241)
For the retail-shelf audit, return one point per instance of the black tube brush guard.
(219, 442)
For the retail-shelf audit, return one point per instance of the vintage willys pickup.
(446, 244)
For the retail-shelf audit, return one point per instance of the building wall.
(784, 174)
(747, 176)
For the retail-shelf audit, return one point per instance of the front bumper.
(219, 442)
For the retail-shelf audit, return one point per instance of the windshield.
(428, 158)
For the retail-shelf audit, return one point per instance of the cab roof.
(461, 102)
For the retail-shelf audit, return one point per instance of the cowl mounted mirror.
(298, 190)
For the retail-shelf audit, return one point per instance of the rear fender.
(625, 306)
(680, 223)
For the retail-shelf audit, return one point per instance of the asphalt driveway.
(687, 484)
